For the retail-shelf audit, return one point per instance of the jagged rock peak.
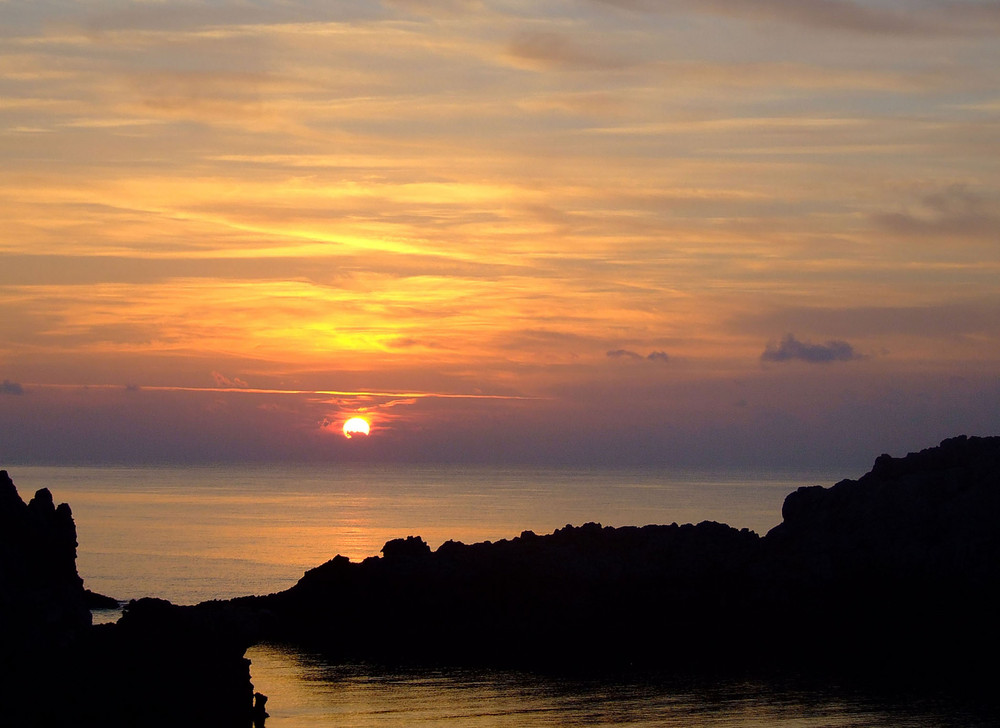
(411, 547)
(10, 499)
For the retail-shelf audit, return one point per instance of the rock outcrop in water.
(582, 595)
(161, 665)
(897, 570)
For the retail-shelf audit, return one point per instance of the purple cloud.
(791, 349)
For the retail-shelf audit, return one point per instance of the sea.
(190, 534)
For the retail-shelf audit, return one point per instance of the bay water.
(190, 534)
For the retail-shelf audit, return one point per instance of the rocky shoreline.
(894, 576)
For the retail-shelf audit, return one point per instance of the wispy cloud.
(936, 17)
(547, 49)
(955, 211)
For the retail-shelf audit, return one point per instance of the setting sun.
(356, 426)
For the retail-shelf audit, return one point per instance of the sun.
(356, 426)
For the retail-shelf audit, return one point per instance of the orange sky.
(589, 231)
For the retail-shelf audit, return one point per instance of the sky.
(586, 232)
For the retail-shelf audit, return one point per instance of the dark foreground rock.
(161, 665)
(40, 592)
(901, 567)
(586, 595)
(94, 600)
(895, 574)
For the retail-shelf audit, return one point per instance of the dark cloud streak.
(623, 354)
(9, 387)
(655, 356)
(791, 349)
(925, 19)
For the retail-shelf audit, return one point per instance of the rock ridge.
(899, 567)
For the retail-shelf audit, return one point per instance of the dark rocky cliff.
(39, 588)
(899, 569)
(161, 665)
(929, 514)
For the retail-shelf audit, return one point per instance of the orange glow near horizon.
(504, 219)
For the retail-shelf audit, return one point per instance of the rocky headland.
(893, 576)
(160, 665)
(895, 573)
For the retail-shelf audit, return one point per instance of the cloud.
(436, 8)
(624, 354)
(195, 14)
(546, 50)
(659, 356)
(9, 387)
(953, 211)
(222, 380)
(835, 14)
(931, 18)
(790, 349)
(975, 318)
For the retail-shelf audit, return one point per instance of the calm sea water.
(196, 533)
(189, 534)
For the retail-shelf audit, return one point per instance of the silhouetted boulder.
(407, 549)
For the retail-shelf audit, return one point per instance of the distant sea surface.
(190, 534)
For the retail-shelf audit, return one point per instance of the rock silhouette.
(160, 665)
(39, 586)
(895, 575)
(898, 569)
(901, 567)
